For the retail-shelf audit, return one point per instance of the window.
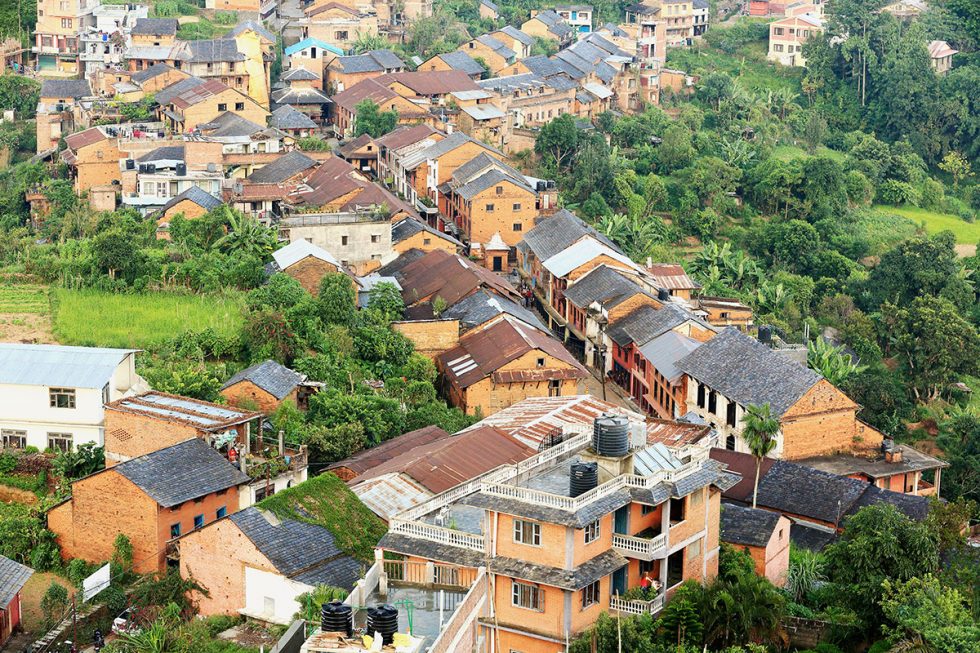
(239, 106)
(646, 510)
(677, 510)
(527, 532)
(489, 208)
(700, 395)
(713, 402)
(61, 397)
(554, 388)
(340, 35)
(175, 530)
(220, 512)
(344, 240)
(730, 414)
(60, 441)
(540, 362)
(525, 595)
(426, 241)
(11, 439)
(778, 47)
(730, 443)
(222, 107)
(105, 393)
(777, 30)
(375, 239)
(263, 492)
(198, 521)
(517, 226)
(66, 23)
(590, 595)
(499, 190)
(592, 532)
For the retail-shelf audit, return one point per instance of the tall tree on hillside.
(759, 430)
(558, 138)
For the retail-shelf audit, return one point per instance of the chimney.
(894, 455)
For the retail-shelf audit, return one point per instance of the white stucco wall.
(265, 590)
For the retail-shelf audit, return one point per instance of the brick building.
(763, 534)
(495, 367)
(93, 157)
(787, 36)
(410, 233)
(344, 72)
(557, 557)
(267, 385)
(136, 426)
(255, 564)
(307, 263)
(152, 500)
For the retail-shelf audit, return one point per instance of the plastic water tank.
(337, 617)
(383, 619)
(611, 435)
(582, 478)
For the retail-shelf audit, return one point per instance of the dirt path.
(25, 328)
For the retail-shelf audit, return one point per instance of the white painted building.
(53, 396)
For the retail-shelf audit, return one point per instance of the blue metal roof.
(59, 366)
(310, 42)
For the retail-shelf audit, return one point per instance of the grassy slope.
(95, 318)
(967, 233)
(326, 501)
(790, 152)
(749, 66)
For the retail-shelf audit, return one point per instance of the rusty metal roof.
(482, 352)
(535, 420)
(87, 137)
(203, 415)
(675, 434)
(391, 494)
(368, 459)
(671, 277)
(449, 276)
(442, 464)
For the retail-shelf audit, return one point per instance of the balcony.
(637, 607)
(438, 534)
(642, 548)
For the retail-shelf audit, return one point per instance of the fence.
(637, 607)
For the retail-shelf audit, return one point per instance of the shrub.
(7, 463)
(898, 192)
(932, 193)
(54, 602)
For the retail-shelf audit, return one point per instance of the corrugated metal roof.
(59, 366)
(671, 276)
(391, 494)
(204, 414)
(581, 253)
(653, 459)
(13, 577)
(675, 434)
(312, 42)
(534, 420)
(297, 250)
(665, 350)
(369, 458)
(484, 112)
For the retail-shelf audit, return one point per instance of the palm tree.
(366, 42)
(759, 430)
(246, 235)
(832, 362)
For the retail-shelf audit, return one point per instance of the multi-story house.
(493, 53)
(152, 500)
(139, 425)
(152, 180)
(679, 21)
(344, 72)
(530, 100)
(56, 35)
(312, 54)
(52, 397)
(563, 535)
(93, 157)
(59, 111)
(516, 40)
(154, 32)
(337, 24)
(787, 36)
(393, 150)
(202, 102)
(578, 17)
(548, 25)
(105, 37)
(647, 25)
(702, 15)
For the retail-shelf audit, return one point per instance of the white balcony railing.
(437, 534)
(637, 607)
(641, 545)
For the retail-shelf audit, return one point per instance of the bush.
(897, 193)
(54, 603)
(932, 194)
(7, 463)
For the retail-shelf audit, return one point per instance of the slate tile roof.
(195, 194)
(463, 62)
(213, 50)
(229, 125)
(665, 350)
(304, 552)
(13, 577)
(301, 96)
(604, 285)
(165, 153)
(253, 25)
(481, 307)
(748, 372)
(499, 48)
(812, 539)
(747, 526)
(65, 88)
(489, 179)
(275, 378)
(646, 323)
(288, 117)
(181, 472)
(283, 168)
(408, 227)
(155, 27)
(373, 61)
(555, 234)
(299, 74)
(151, 72)
(517, 35)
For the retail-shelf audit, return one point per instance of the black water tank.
(542, 185)
(337, 617)
(765, 334)
(582, 478)
(611, 435)
(383, 619)
(130, 164)
(181, 169)
(663, 294)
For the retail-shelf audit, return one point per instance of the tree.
(329, 445)
(957, 166)
(915, 267)
(245, 235)
(715, 88)
(675, 151)
(806, 570)
(365, 42)
(959, 437)
(922, 614)
(19, 93)
(84, 460)
(878, 543)
(814, 131)
(759, 430)
(967, 11)
(933, 343)
(337, 299)
(54, 602)
(387, 300)
(370, 120)
(832, 362)
(558, 138)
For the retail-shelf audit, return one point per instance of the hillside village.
(464, 326)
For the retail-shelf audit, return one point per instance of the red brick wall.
(128, 435)
(246, 393)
